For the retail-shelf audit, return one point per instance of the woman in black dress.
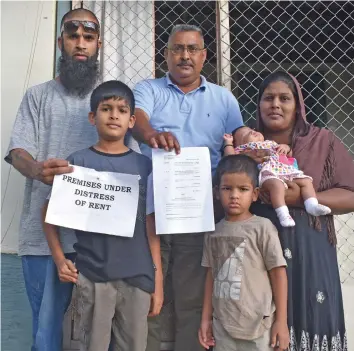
(315, 307)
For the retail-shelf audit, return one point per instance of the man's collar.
(202, 86)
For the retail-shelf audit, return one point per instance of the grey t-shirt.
(102, 257)
(50, 123)
(240, 255)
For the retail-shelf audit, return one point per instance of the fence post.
(223, 44)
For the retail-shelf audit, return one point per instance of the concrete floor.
(15, 310)
(16, 314)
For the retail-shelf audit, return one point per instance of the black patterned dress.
(315, 306)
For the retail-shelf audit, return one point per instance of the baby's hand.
(228, 139)
(283, 149)
(259, 155)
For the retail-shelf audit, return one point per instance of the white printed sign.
(183, 196)
(98, 202)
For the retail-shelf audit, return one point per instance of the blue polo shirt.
(199, 118)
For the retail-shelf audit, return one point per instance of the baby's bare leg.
(308, 193)
(306, 188)
(276, 190)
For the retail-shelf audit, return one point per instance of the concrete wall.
(27, 59)
(345, 248)
(348, 293)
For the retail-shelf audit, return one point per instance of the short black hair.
(237, 164)
(70, 14)
(236, 129)
(113, 89)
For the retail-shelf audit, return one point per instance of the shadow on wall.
(16, 323)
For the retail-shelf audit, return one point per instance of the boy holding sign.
(118, 277)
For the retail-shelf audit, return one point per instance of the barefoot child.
(115, 276)
(274, 171)
(245, 298)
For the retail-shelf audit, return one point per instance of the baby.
(274, 171)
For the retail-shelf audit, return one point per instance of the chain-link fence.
(246, 40)
(313, 40)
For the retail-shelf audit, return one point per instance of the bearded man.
(50, 125)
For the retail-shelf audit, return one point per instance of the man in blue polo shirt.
(183, 109)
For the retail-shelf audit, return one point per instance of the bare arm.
(280, 332)
(41, 171)
(208, 293)
(66, 269)
(52, 236)
(25, 163)
(340, 201)
(144, 132)
(229, 150)
(205, 333)
(259, 155)
(228, 147)
(154, 243)
(279, 282)
(283, 149)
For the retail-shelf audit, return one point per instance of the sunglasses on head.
(70, 27)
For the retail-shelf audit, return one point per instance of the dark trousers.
(184, 253)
